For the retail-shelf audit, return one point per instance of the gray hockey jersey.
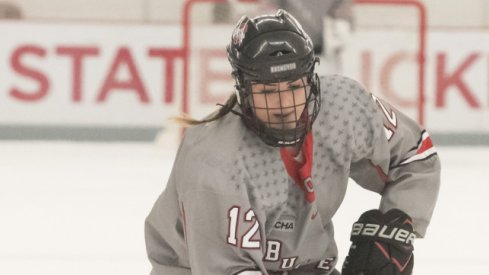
(230, 207)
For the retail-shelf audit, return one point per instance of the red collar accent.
(301, 172)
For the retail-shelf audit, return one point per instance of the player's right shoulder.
(207, 154)
(215, 136)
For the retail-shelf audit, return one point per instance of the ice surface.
(79, 208)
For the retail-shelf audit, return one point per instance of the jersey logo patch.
(284, 225)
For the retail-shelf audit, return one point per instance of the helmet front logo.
(283, 67)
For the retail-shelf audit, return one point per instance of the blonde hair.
(186, 120)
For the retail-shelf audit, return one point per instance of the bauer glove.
(382, 244)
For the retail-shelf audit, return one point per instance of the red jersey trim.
(301, 172)
(424, 150)
(184, 223)
(383, 176)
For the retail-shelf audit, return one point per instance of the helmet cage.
(278, 125)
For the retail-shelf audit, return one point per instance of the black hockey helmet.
(273, 49)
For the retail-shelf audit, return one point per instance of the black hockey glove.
(382, 244)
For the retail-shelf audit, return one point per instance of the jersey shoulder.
(345, 99)
(212, 143)
(207, 155)
(349, 118)
(340, 83)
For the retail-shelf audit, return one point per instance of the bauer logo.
(283, 68)
(285, 225)
(384, 231)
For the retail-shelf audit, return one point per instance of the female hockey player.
(255, 185)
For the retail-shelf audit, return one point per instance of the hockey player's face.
(280, 105)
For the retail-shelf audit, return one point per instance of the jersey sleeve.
(398, 160)
(202, 224)
(164, 234)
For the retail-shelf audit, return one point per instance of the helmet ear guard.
(274, 49)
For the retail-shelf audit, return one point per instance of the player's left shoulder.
(336, 82)
(342, 90)
(345, 97)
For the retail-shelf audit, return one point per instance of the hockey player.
(255, 185)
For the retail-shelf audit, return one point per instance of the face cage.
(281, 126)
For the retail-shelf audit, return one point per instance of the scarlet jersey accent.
(184, 223)
(301, 172)
(314, 215)
(383, 176)
(424, 150)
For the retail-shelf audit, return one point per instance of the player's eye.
(267, 91)
(295, 87)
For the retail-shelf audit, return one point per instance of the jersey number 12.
(247, 240)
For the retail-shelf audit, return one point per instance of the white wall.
(139, 10)
(456, 13)
(82, 9)
(453, 13)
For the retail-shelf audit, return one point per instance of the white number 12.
(247, 239)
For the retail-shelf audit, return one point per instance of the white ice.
(79, 208)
